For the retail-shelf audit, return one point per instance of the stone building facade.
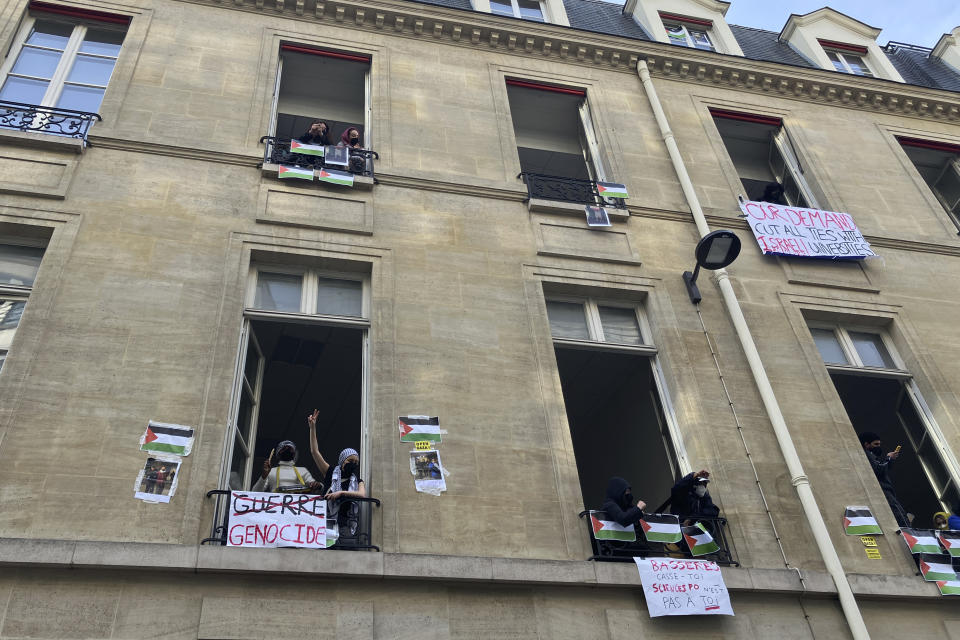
(161, 269)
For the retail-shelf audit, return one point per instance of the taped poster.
(163, 437)
(260, 519)
(597, 217)
(859, 521)
(675, 587)
(157, 481)
(920, 540)
(420, 428)
(428, 472)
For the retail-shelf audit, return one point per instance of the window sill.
(360, 183)
(539, 205)
(38, 140)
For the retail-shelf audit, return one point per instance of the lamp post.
(715, 251)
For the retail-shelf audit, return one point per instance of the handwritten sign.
(794, 231)
(679, 587)
(260, 519)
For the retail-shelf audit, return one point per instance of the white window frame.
(686, 33)
(308, 293)
(516, 11)
(69, 56)
(899, 372)
(596, 341)
(17, 293)
(842, 56)
(954, 167)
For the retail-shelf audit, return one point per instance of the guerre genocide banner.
(259, 519)
(678, 587)
(794, 231)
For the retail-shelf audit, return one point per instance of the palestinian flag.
(659, 527)
(949, 588)
(167, 438)
(859, 521)
(612, 190)
(936, 567)
(610, 530)
(414, 428)
(285, 172)
(920, 540)
(950, 540)
(699, 540)
(336, 177)
(306, 149)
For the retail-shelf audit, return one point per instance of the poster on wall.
(427, 472)
(782, 230)
(157, 480)
(260, 519)
(680, 587)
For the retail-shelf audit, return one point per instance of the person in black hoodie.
(881, 468)
(690, 499)
(619, 503)
(318, 133)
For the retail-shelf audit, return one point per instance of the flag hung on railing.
(699, 540)
(950, 541)
(936, 567)
(306, 149)
(659, 527)
(286, 172)
(920, 540)
(610, 530)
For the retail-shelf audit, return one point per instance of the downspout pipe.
(797, 475)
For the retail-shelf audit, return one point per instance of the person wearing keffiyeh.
(342, 481)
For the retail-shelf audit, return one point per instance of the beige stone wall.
(137, 309)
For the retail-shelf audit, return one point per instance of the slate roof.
(597, 16)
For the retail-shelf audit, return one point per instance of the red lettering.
(236, 540)
(249, 534)
(747, 206)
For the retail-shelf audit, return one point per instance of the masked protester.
(343, 482)
(690, 500)
(351, 138)
(619, 503)
(287, 477)
(881, 468)
(943, 520)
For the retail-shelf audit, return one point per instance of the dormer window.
(524, 9)
(847, 58)
(688, 32)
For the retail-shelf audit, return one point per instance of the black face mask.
(286, 455)
(349, 469)
(354, 140)
(627, 499)
(877, 451)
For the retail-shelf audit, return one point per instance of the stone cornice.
(553, 42)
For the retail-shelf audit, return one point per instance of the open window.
(303, 347)
(615, 400)
(687, 31)
(879, 395)
(765, 158)
(939, 166)
(19, 263)
(525, 9)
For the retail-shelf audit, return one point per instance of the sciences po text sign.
(259, 519)
(794, 231)
(680, 587)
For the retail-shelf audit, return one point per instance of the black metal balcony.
(356, 542)
(621, 551)
(574, 190)
(51, 120)
(277, 151)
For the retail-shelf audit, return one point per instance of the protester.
(881, 468)
(690, 500)
(943, 520)
(318, 133)
(287, 477)
(619, 503)
(773, 193)
(160, 479)
(351, 138)
(343, 482)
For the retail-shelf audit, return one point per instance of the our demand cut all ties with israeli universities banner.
(782, 230)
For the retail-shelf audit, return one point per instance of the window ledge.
(539, 205)
(38, 140)
(360, 183)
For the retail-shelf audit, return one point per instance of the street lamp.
(715, 251)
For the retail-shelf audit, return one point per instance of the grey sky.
(920, 22)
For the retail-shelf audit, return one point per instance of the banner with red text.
(678, 587)
(259, 519)
(782, 230)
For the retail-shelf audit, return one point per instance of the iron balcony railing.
(568, 190)
(358, 541)
(621, 551)
(52, 120)
(277, 151)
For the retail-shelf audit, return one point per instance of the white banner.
(259, 519)
(679, 587)
(794, 231)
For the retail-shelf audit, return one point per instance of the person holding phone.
(881, 464)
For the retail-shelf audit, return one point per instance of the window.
(18, 270)
(765, 158)
(847, 58)
(303, 347)
(939, 166)
(525, 9)
(315, 84)
(879, 395)
(613, 393)
(687, 31)
(62, 58)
